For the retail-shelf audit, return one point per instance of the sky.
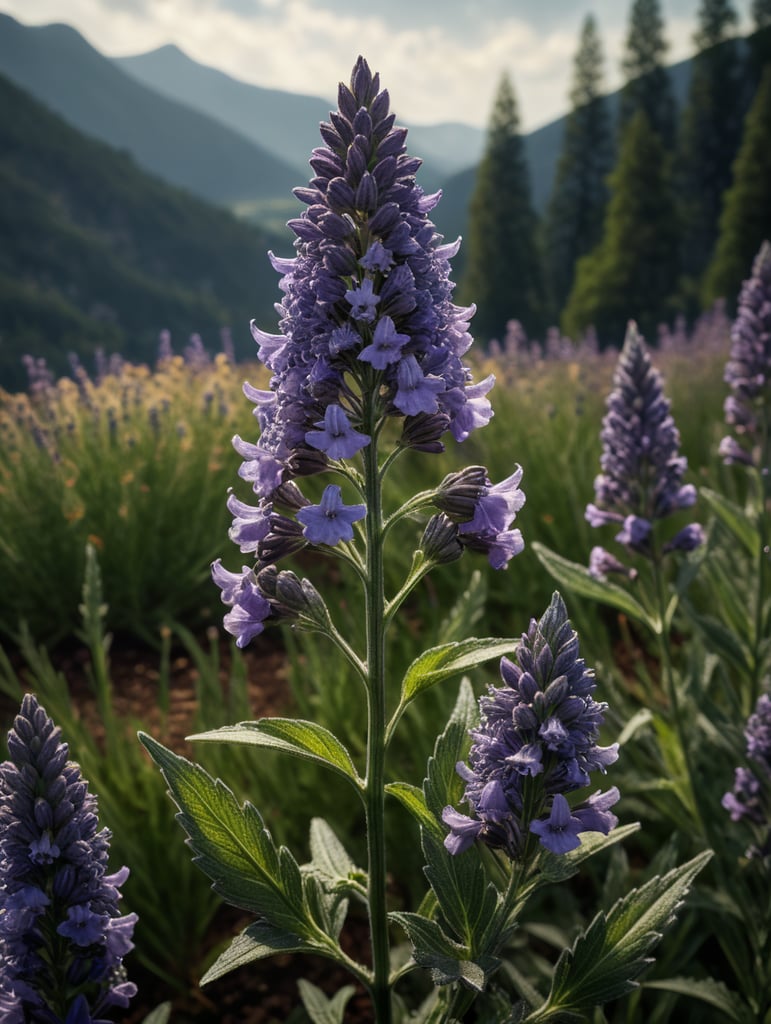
(441, 60)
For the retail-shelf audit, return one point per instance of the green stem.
(667, 671)
(375, 780)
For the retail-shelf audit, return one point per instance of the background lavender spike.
(642, 470)
(61, 935)
(748, 370)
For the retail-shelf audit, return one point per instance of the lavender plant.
(368, 370)
(62, 939)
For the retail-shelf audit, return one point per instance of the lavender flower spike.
(62, 941)
(537, 741)
(750, 798)
(642, 469)
(748, 370)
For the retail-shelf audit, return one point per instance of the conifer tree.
(577, 206)
(710, 135)
(647, 85)
(503, 274)
(746, 218)
(630, 274)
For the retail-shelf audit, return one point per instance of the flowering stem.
(375, 779)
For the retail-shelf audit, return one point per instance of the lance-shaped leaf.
(447, 961)
(319, 1008)
(734, 518)
(414, 801)
(232, 845)
(257, 941)
(303, 739)
(577, 578)
(439, 663)
(607, 958)
(443, 785)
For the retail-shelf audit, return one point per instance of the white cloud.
(445, 71)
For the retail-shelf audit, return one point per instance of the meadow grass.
(130, 473)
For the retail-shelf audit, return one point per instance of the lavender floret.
(537, 741)
(62, 939)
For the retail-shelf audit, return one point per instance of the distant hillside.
(181, 145)
(96, 253)
(285, 123)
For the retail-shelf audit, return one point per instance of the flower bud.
(440, 543)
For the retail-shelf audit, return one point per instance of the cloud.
(439, 61)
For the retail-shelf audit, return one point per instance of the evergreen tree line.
(655, 212)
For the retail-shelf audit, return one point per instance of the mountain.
(286, 124)
(98, 254)
(181, 145)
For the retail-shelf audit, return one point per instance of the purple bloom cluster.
(484, 512)
(537, 741)
(642, 469)
(748, 371)
(62, 941)
(750, 798)
(368, 332)
(367, 293)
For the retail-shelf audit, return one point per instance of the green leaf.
(159, 1015)
(443, 785)
(257, 941)
(734, 518)
(447, 961)
(307, 740)
(328, 854)
(413, 800)
(467, 900)
(439, 663)
(722, 640)
(232, 845)
(320, 1009)
(576, 577)
(708, 991)
(607, 958)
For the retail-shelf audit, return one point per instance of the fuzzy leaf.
(607, 958)
(576, 577)
(303, 739)
(439, 663)
(413, 800)
(734, 518)
(327, 852)
(320, 1009)
(232, 845)
(257, 941)
(447, 961)
(715, 993)
(443, 785)
(159, 1015)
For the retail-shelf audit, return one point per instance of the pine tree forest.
(656, 206)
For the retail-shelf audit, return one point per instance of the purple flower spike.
(331, 521)
(536, 741)
(336, 437)
(640, 482)
(748, 370)
(72, 941)
(750, 798)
